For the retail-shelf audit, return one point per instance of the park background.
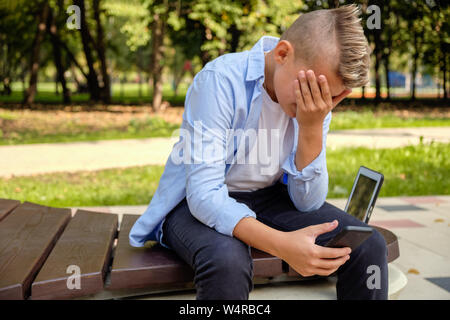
(124, 74)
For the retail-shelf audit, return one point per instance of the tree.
(53, 25)
(160, 12)
(43, 11)
(87, 41)
(17, 31)
(101, 52)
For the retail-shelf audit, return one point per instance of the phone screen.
(362, 194)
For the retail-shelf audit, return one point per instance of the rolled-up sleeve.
(208, 118)
(308, 188)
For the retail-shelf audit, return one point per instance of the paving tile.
(424, 261)
(128, 209)
(422, 200)
(339, 203)
(320, 289)
(432, 240)
(444, 283)
(444, 198)
(402, 223)
(430, 219)
(390, 201)
(445, 212)
(418, 288)
(96, 209)
(432, 206)
(184, 295)
(400, 208)
(439, 209)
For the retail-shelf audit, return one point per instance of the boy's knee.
(228, 259)
(225, 271)
(375, 247)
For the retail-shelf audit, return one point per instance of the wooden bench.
(41, 247)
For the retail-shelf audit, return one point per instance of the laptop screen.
(362, 194)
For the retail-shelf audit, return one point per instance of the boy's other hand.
(299, 250)
(314, 100)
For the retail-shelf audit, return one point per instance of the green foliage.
(133, 20)
(201, 30)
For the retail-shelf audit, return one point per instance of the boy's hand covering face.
(314, 100)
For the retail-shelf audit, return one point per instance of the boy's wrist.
(279, 240)
(309, 146)
(260, 236)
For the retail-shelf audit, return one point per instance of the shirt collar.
(256, 61)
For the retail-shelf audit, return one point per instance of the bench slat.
(85, 243)
(27, 236)
(143, 267)
(265, 265)
(7, 206)
(391, 243)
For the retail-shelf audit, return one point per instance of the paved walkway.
(31, 159)
(422, 225)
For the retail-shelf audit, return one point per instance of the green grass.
(422, 169)
(366, 119)
(155, 127)
(126, 94)
(409, 171)
(128, 186)
(149, 128)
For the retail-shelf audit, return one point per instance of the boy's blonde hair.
(337, 32)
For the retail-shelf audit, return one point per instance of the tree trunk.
(74, 76)
(158, 31)
(35, 53)
(177, 77)
(22, 78)
(93, 85)
(386, 60)
(60, 70)
(205, 57)
(414, 67)
(6, 86)
(444, 70)
(223, 50)
(122, 81)
(378, 56)
(69, 54)
(333, 3)
(235, 36)
(386, 70)
(140, 85)
(106, 88)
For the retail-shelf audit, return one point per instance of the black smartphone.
(364, 193)
(350, 236)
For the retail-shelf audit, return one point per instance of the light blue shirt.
(225, 97)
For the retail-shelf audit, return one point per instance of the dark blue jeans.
(223, 266)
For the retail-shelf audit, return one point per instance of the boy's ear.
(282, 51)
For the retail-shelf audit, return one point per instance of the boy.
(214, 201)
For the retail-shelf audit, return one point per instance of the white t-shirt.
(270, 150)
